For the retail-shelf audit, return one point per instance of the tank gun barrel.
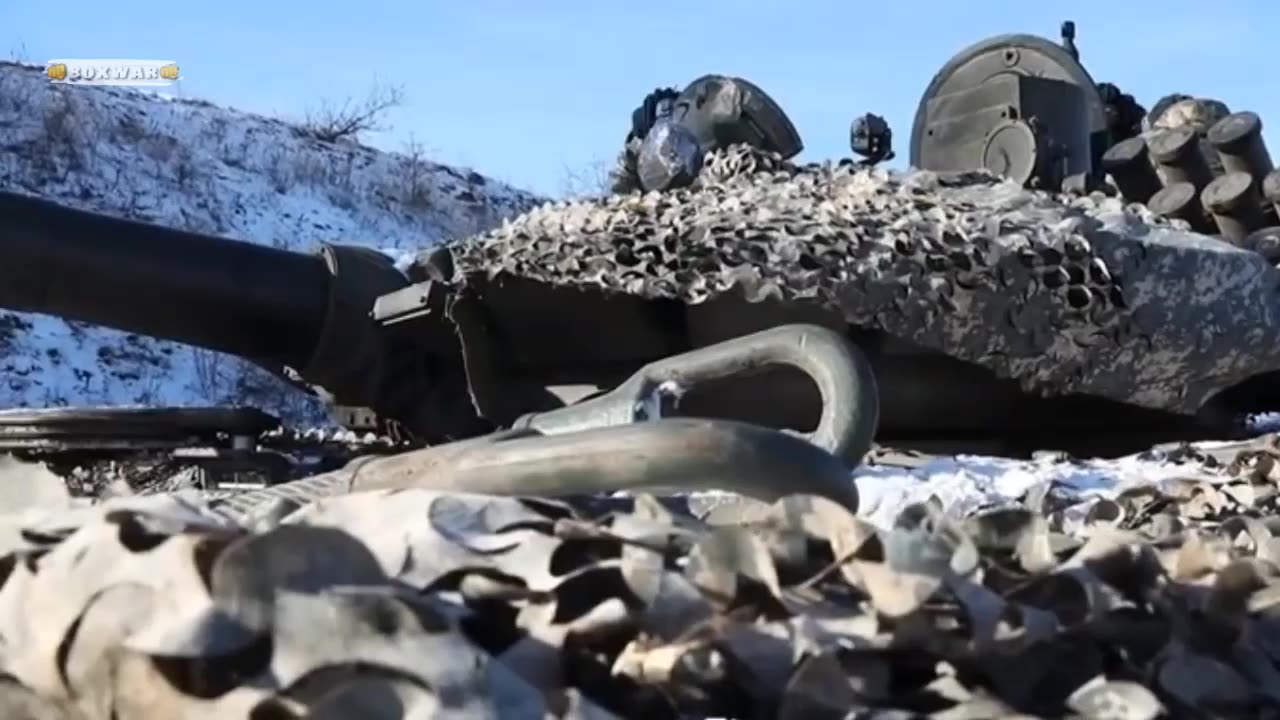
(250, 300)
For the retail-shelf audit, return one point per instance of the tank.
(997, 312)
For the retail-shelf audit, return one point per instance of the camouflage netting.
(1063, 294)
(415, 604)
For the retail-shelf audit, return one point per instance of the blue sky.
(534, 92)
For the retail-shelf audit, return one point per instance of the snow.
(965, 483)
(193, 165)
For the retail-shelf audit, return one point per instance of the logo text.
(113, 72)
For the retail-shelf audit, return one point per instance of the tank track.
(155, 450)
(1064, 294)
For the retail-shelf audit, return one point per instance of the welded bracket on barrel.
(850, 400)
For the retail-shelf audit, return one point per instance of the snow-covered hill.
(193, 165)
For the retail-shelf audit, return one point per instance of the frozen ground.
(965, 483)
(197, 166)
(194, 165)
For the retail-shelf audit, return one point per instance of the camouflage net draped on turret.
(1063, 294)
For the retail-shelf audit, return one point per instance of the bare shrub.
(184, 170)
(330, 122)
(214, 376)
(278, 171)
(16, 94)
(481, 218)
(591, 181)
(149, 390)
(226, 380)
(131, 128)
(417, 177)
(256, 387)
(309, 169)
(341, 181)
(62, 137)
(159, 148)
(54, 397)
(58, 123)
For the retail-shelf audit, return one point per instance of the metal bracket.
(850, 412)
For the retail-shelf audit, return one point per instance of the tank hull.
(927, 400)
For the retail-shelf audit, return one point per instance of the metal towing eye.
(850, 400)
(679, 455)
(618, 442)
